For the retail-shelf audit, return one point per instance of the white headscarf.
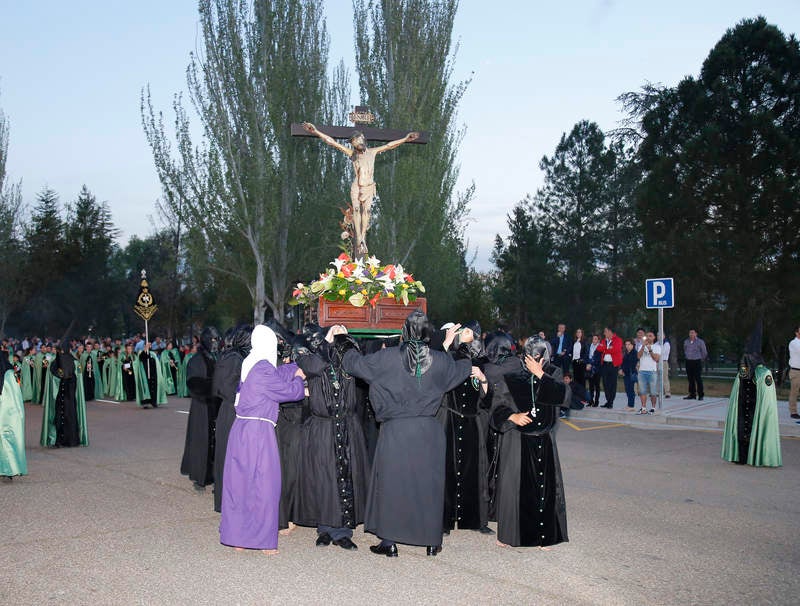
(264, 347)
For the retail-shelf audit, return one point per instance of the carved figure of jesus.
(362, 191)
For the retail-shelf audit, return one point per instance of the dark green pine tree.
(89, 243)
(45, 263)
(719, 198)
(573, 209)
(528, 276)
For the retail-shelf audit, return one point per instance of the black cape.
(224, 385)
(405, 502)
(198, 451)
(529, 493)
(289, 434)
(66, 406)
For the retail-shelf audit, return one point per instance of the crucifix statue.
(363, 190)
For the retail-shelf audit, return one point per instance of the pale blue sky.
(71, 74)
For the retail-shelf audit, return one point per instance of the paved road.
(655, 517)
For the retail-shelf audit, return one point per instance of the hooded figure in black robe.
(465, 416)
(198, 451)
(224, 386)
(334, 471)
(66, 406)
(405, 502)
(529, 495)
(752, 432)
(289, 434)
(150, 370)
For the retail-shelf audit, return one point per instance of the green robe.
(48, 436)
(183, 391)
(142, 388)
(99, 385)
(27, 379)
(765, 439)
(37, 377)
(166, 356)
(110, 376)
(12, 429)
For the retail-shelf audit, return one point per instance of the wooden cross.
(360, 117)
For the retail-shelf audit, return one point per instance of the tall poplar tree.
(404, 58)
(255, 202)
(13, 292)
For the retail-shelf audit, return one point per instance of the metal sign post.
(660, 294)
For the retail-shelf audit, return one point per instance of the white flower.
(345, 235)
(399, 274)
(373, 261)
(358, 270)
(337, 263)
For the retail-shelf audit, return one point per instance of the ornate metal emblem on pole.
(145, 308)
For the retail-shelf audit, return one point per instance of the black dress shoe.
(324, 540)
(390, 551)
(700, 397)
(485, 530)
(688, 398)
(345, 543)
(608, 406)
(434, 549)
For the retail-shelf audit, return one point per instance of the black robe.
(66, 407)
(405, 503)
(529, 492)
(128, 378)
(198, 451)
(150, 375)
(88, 372)
(335, 468)
(466, 423)
(289, 433)
(225, 384)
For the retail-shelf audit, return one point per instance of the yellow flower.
(390, 295)
(340, 275)
(363, 291)
(405, 286)
(341, 292)
(358, 281)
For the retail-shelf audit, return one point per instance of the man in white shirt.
(649, 356)
(794, 373)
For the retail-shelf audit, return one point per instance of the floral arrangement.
(359, 282)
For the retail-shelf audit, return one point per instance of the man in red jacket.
(610, 349)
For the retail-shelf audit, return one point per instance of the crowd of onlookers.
(592, 363)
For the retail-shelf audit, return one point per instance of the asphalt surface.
(655, 517)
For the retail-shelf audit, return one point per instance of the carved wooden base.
(388, 314)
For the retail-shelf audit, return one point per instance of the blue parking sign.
(660, 293)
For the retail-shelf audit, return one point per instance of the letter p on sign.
(660, 293)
